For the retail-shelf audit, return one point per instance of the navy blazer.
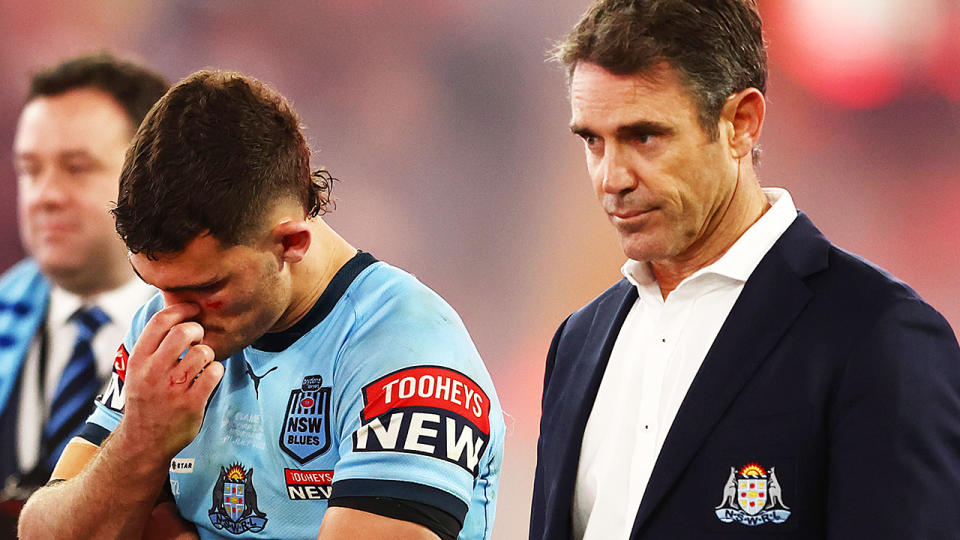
(827, 369)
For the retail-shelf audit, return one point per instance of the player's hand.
(166, 524)
(166, 395)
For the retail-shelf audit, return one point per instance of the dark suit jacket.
(827, 368)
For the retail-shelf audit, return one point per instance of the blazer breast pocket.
(755, 467)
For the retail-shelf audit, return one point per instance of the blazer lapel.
(771, 300)
(570, 420)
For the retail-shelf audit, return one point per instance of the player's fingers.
(208, 379)
(198, 355)
(160, 324)
(178, 339)
(190, 366)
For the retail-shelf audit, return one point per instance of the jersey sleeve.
(414, 405)
(108, 407)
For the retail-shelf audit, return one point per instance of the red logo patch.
(429, 386)
(120, 362)
(296, 477)
(308, 485)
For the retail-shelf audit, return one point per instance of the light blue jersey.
(377, 392)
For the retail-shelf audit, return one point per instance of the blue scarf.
(24, 293)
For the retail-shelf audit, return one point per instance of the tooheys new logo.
(429, 410)
(113, 396)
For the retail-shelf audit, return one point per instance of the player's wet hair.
(133, 86)
(715, 45)
(213, 157)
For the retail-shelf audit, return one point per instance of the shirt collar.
(119, 304)
(63, 304)
(743, 256)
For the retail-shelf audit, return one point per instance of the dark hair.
(715, 45)
(133, 86)
(212, 157)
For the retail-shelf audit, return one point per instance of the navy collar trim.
(278, 341)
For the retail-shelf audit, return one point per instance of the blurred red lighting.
(857, 53)
(945, 67)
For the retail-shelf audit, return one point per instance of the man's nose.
(618, 176)
(171, 298)
(47, 188)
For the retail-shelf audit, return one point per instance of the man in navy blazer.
(746, 379)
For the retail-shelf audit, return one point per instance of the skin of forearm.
(81, 507)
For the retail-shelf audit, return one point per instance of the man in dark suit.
(746, 378)
(64, 310)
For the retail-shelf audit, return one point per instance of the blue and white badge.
(306, 423)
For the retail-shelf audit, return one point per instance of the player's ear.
(293, 240)
(742, 116)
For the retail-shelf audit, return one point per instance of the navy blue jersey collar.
(278, 341)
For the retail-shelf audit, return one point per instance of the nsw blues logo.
(752, 497)
(235, 502)
(306, 424)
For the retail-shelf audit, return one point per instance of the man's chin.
(220, 354)
(640, 249)
(221, 351)
(70, 275)
(226, 342)
(53, 262)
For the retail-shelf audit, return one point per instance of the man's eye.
(644, 138)
(212, 288)
(26, 170)
(78, 168)
(592, 141)
(26, 174)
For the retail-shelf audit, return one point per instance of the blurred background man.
(65, 308)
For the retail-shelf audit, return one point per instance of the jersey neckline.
(279, 341)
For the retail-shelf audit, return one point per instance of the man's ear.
(744, 113)
(293, 240)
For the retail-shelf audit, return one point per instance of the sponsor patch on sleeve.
(113, 396)
(181, 465)
(427, 410)
(308, 485)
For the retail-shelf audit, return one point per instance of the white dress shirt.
(120, 305)
(656, 356)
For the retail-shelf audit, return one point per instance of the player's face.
(68, 151)
(657, 174)
(241, 290)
